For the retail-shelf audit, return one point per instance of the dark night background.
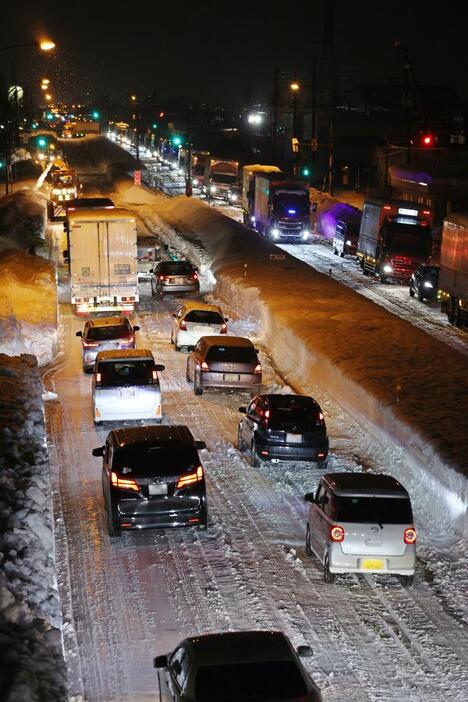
(224, 51)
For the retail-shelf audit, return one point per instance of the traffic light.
(427, 140)
(42, 142)
(176, 140)
(50, 115)
(155, 126)
(305, 171)
(95, 115)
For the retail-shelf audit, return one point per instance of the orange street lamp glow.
(46, 45)
(48, 97)
(46, 81)
(294, 86)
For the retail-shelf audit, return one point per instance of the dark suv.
(175, 277)
(283, 427)
(424, 282)
(152, 477)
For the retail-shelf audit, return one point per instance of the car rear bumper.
(163, 513)
(292, 452)
(186, 338)
(230, 380)
(340, 562)
(185, 287)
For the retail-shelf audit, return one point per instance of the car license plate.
(160, 489)
(231, 377)
(294, 438)
(127, 392)
(372, 564)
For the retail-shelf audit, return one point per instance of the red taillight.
(155, 375)
(387, 207)
(258, 368)
(409, 536)
(195, 276)
(98, 377)
(90, 344)
(336, 533)
(203, 365)
(265, 418)
(183, 326)
(223, 329)
(124, 483)
(185, 480)
(426, 212)
(162, 277)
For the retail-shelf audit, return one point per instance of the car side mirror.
(66, 255)
(80, 333)
(99, 451)
(160, 662)
(305, 651)
(174, 315)
(309, 497)
(257, 351)
(160, 367)
(190, 348)
(200, 445)
(243, 410)
(151, 270)
(136, 328)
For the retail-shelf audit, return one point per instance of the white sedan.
(194, 320)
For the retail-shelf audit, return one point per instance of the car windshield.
(223, 178)
(115, 331)
(198, 169)
(407, 239)
(232, 354)
(375, 510)
(126, 372)
(164, 461)
(290, 205)
(250, 681)
(175, 268)
(294, 416)
(203, 317)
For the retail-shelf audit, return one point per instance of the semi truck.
(394, 238)
(281, 208)
(102, 256)
(200, 161)
(453, 274)
(64, 186)
(220, 177)
(249, 174)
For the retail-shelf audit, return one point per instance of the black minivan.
(283, 427)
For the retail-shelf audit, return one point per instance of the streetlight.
(254, 118)
(294, 88)
(44, 45)
(48, 96)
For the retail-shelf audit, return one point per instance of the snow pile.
(32, 665)
(23, 220)
(410, 387)
(28, 306)
(328, 211)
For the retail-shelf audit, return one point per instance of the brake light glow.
(162, 277)
(124, 483)
(195, 276)
(98, 377)
(223, 329)
(182, 325)
(336, 534)
(409, 536)
(387, 207)
(90, 344)
(155, 375)
(203, 365)
(190, 479)
(258, 368)
(426, 212)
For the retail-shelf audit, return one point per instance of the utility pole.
(314, 104)
(188, 177)
(328, 77)
(274, 126)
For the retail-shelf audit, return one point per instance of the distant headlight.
(252, 219)
(427, 284)
(233, 197)
(349, 242)
(305, 234)
(194, 181)
(212, 188)
(275, 233)
(387, 268)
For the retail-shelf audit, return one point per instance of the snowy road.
(130, 599)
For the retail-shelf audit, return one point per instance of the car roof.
(171, 262)
(227, 341)
(232, 647)
(364, 484)
(281, 399)
(202, 306)
(123, 354)
(115, 214)
(108, 321)
(176, 435)
(89, 203)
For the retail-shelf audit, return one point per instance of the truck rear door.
(118, 266)
(84, 257)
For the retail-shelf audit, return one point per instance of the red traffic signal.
(427, 140)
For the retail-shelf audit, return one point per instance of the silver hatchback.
(105, 334)
(231, 362)
(361, 523)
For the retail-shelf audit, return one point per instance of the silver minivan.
(361, 523)
(126, 386)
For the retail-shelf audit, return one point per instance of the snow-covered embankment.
(407, 386)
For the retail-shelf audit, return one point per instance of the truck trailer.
(453, 275)
(281, 208)
(394, 238)
(249, 174)
(102, 255)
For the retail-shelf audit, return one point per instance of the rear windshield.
(158, 461)
(126, 372)
(250, 681)
(232, 354)
(294, 416)
(108, 333)
(175, 268)
(383, 510)
(204, 317)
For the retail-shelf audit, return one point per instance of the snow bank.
(328, 211)
(23, 219)
(410, 387)
(32, 665)
(28, 305)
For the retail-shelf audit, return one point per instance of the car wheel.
(420, 297)
(187, 375)
(254, 459)
(323, 464)
(342, 254)
(152, 290)
(407, 580)
(411, 291)
(240, 443)
(177, 348)
(172, 337)
(327, 575)
(196, 385)
(335, 252)
(113, 524)
(308, 548)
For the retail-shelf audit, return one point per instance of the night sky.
(222, 51)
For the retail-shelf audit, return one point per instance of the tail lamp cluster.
(337, 534)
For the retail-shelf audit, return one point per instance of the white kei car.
(194, 320)
(126, 386)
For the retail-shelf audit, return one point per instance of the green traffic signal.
(176, 140)
(42, 142)
(95, 115)
(306, 171)
(155, 126)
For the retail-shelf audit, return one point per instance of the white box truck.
(102, 254)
